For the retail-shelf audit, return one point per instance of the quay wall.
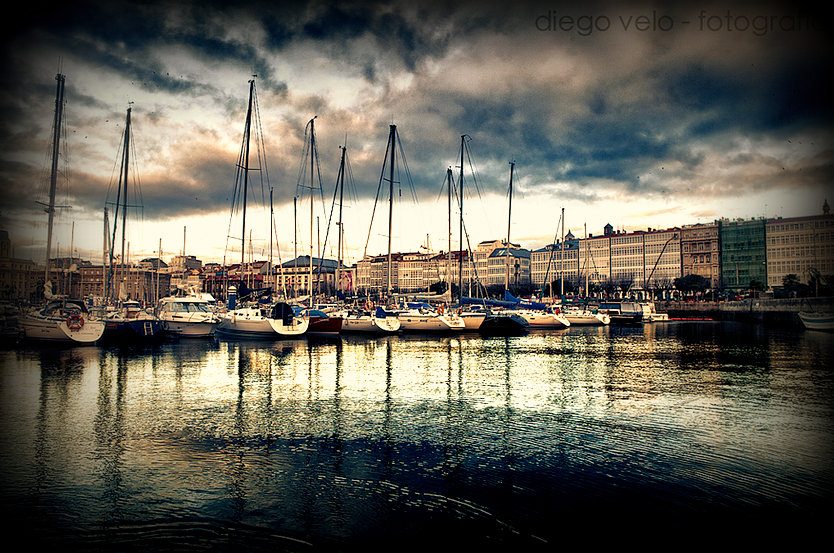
(782, 312)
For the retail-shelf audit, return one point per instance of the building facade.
(743, 253)
(802, 246)
(700, 252)
(559, 261)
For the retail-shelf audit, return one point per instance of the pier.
(768, 311)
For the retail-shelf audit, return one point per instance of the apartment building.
(700, 252)
(803, 246)
(743, 252)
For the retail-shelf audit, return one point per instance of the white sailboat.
(125, 320)
(370, 321)
(577, 316)
(254, 319)
(421, 317)
(260, 321)
(650, 314)
(543, 319)
(61, 319)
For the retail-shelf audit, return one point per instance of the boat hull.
(473, 321)
(325, 326)
(55, 329)
(418, 322)
(297, 327)
(544, 320)
(246, 323)
(190, 329)
(503, 325)
(817, 321)
(135, 330)
(366, 324)
(587, 319)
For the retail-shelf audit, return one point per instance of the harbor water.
(694, 432)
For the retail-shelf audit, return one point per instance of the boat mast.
(449, 256)
(245, 168)
(312, 167)
(393, 135)
(509, 219)
(341, 196)
(121, 201)
(295, 245)
(53, 181)
(460, 259)
(587, 268)
(562, 257)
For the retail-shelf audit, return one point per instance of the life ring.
(440, 308)
(369, 305)
(460, 311)
(75, 322)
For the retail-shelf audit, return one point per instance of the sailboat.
(254, 320)
(491, 317)
(127, 321)
(370, 320)
(61, 319)
(422, 317)
(320, 323)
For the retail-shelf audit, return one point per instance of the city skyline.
(647, 115)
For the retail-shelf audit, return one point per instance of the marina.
(570, 288)
(361, 442)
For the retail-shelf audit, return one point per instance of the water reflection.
(330, 442)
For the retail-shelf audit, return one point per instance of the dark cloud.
(689, 112)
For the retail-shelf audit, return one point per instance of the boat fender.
(75, 322)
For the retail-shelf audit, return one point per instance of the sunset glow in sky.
(639, 115)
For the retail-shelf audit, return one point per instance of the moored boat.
(543, 318)
(650, 314)
(376, 321)
(189, 316)
(62, 320)
(503, 323)
(817, 321)
(422, 318)
(322, 324)
(473, 317)
(623, 313)
(130, 323)
(585, 317)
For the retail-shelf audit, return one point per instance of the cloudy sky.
(635, 114)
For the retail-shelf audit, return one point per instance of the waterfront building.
(182, 263)
(519, 267)
(743, 253)
(490, 263)
(294, 276)
(153, 264)
(554, 262)
(700, 252)
(661, 258)
(18, 277)
(138, 284)
(372, 274)
(802, 246)
(594, 258)
(637, 261)
(447, 268)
